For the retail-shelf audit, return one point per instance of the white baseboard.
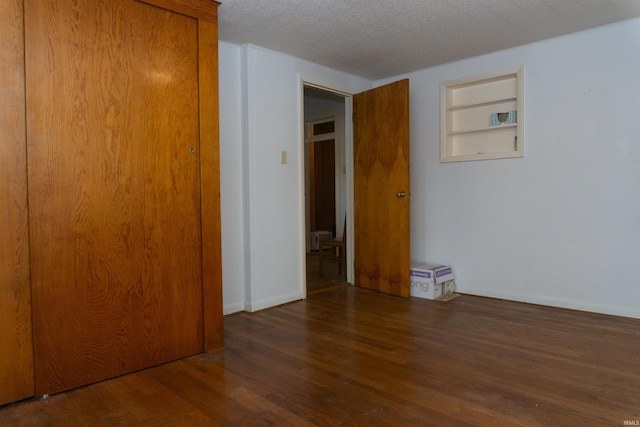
(232, 308)
(632, 312)
(271, 302)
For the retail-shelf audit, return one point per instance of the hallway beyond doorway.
(330, 277)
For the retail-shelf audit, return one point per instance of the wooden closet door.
(323, 193)
(114, 188)
(16, 357)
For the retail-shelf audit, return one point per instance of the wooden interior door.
(323, 185)
(16, 350)
(381, 189)
(114, 187)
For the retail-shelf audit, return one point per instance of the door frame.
(347, 93)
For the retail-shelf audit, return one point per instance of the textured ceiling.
(384, 38)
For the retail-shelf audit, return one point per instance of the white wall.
(231, 178)
(268, 84)
(560, 226)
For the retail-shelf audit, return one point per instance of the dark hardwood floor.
(352, 357)
(331, 275)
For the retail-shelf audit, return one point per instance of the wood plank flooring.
(352, 357)
(330, 276)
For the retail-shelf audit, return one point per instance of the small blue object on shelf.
(507, 118)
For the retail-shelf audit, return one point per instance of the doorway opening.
(325, 187)
(376, 174)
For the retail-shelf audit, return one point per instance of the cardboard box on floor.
(431, 281)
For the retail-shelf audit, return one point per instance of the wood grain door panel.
(381, 171)
(323, 184)
(16, 349)
(113, 167)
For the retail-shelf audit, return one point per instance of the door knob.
(400, 194)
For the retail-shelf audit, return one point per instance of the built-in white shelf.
(469, 129)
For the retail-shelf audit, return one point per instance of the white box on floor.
(428, 280)
(316, 236)
(431, 290)
(434, 273)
